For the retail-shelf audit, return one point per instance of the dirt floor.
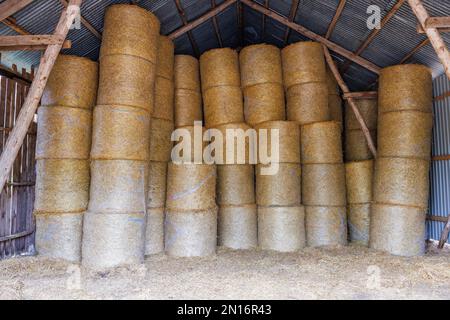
(332, 273)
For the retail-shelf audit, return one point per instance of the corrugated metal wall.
(440, 169)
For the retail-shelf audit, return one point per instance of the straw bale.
(264, 102)
(333, 87)
(120, 132)
(62, 185)
(323, 185)
(58, 236)
(219, 67)
(399, 230)
(160, 142)
(280, 189)
(166, 57)
(260, 63)
(187, 73)
(157, 177)
(235, 185)
(405, 134)
(154, 233)
(63, 133)
(369, 112)
(72, 83)
(118, 186)
(191, 233)
(405, 87)
(188, 107)
(112, 240)
(223, 105)
(303, 62)
(238, 227)
(281, 228)
(356, 147)
(130, 30)
(289, 139)
(164, 99)
(359, 178)
(326, 226)
(191, 187)
(335, 108)
(401, 181)
(359, 223)
(239, 128)
(307, 103)
(126, 80)
(321, 143)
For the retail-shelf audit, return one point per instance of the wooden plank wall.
(17, 197)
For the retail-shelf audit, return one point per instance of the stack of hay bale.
(402, 166)
(334, 99)
(114, 226)
(224, 111)
(62, 156)
(191, 210)
(323, 184)
(281, 218)
(160, 146)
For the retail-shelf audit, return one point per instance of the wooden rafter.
(241, 28)
(315, 37)
(335, 19)
(216, 25)
(29, 41)
(85, 23)
(31, 103)
(413, 51)
(263, 27)
(10, 7)
(185, 23)
(292, 14)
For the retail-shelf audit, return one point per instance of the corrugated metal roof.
(394, 41)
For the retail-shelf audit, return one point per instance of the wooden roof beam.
(185, 23)
(31, 42)
(335, 19)
(85, 23)
(10, 7)
(216, 25)
(440, 23)
(315, 37)
(263, 27)
(292, 14)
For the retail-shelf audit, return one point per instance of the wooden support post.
(350, 100)
(444, 234)
(335, 19)
(433, 34)
(31, 103)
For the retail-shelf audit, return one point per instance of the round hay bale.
(303, 62)
(335, 108)
(264, 102)
(120, 132)
(191, 233)
(405, 134)
(219, 67)
(63, 133)
(235, 185)
(359, 223)
(118, 186)
(289, 139)
(160, 143)
(165, 64)
(401, 181)
(58, 236)
(187, 73)
(321, 143)
(326, 226)
(223, 105)
(130, 30)
(72, 83)
(126, 80)
(237, 227)
(323, 185)
(399, 230)
(242, 153)
(281, 228)
(164, 99)
(188, 131)
(157, 181)
(333, 87)
(280, 189)
(369, 112)
(359, 178)
(154, 233)
(188, 107)
(191, 187)
(405, 87)
(111, 240)
(356, 147)
(62, 186)
(307, 103)
(260, 63)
